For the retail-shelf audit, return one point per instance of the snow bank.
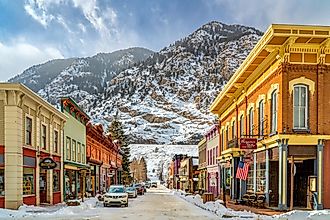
(59, 212)
(223, 212)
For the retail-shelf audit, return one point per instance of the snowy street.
(158, 204)
(155, 204)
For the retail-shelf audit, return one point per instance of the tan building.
(139, 170)
(30, 130)
(202, 183)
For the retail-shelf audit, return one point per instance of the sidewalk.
(259, 211)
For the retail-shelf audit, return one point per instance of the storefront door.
(43, 186)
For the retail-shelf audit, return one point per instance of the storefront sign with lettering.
(47, 163)
(248, 143)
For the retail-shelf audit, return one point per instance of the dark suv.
(139, 188)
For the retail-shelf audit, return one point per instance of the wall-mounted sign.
(248, 143)
(47, 163)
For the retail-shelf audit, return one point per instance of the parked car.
(116, 195)
(154, 185)
(132, 192)
(139, 188)
(148, 185)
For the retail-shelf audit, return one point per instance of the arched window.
(241, 125)
(251, 125)
(261, 119)
(300, 107)
(274, 112)
(233, 132)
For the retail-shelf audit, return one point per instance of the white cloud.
(15, 58)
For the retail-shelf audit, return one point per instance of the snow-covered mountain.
(162, 97)
(158, 157)
(165, 99)
(81, 78)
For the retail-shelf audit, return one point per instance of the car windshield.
(130, 189)
(116, 190)
(137, 185)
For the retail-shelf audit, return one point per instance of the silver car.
(132, 193)
(116, 195)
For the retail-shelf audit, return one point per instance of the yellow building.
(31, 130)
(277, 101)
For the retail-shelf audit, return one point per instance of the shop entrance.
(43, 186)
(303, 169)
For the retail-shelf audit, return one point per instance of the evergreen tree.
(117, 133)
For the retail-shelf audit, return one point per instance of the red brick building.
(104, 158)
(279, 97)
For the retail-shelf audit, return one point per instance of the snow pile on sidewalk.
(216, 207)
(84, 211)
(300, 215)
(223, 212)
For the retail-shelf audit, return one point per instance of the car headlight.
(107, 196)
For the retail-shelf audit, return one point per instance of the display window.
(28, 181)
(56, 181)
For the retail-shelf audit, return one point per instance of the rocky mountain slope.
(163, 98)
(81, 78)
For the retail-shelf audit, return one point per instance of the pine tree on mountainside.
(117, 133)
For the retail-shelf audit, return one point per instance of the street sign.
(248, 143)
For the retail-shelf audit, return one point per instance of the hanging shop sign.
(47, 163)
(248, 143)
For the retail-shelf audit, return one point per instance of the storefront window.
(56, 181)
(227, 177)
(249, 182)
(28, 181)
(261, 177)
(70, 184)
(2, 181)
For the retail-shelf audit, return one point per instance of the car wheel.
(126, 205)
(105, 205)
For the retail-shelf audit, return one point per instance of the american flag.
(242, 170)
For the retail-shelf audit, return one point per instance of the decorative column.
(267, 177)
(254, 172)
(320, 146)
(232, 178)
(282, 171)
(13, 140)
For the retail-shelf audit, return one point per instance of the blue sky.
(34, 31)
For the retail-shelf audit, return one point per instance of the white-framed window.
(261, 118)
(300, 107)
(251, 125)
(241, 125)
(56, 139)
(28, 131)
(43, 136)
(274, 108)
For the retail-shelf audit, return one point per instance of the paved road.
(157, 204)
